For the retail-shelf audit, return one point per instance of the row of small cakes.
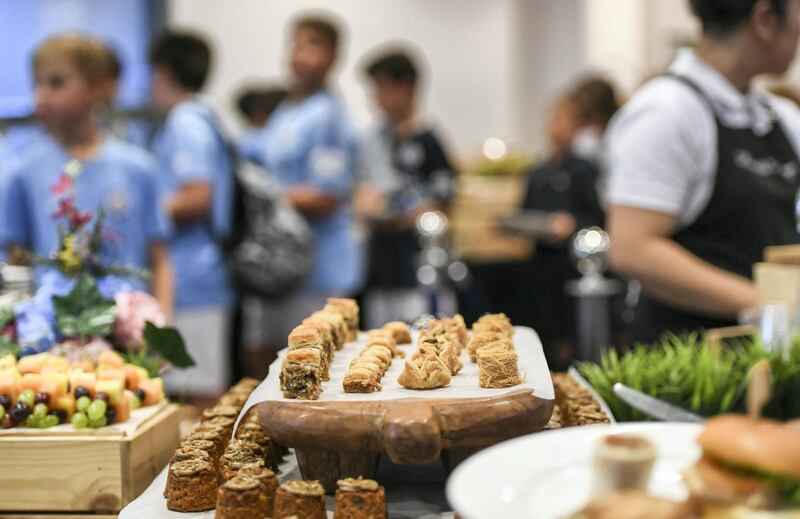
(491, 346)
(355, 499)
(312, 346)
(368, 368)
(204, 458)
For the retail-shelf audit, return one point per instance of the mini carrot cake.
(359, 499)
(304, 499)
(241, 498)
(191, 486)
(269, 482)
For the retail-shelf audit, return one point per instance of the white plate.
(548, 475)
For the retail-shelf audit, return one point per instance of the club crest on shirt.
(117, 202)
(766, 166)
(410, 155)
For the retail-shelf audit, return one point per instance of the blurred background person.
(110, 175)
(564, 188)
(705, 172)
(311, 148)
(255, 105)
(406, 171)
(198, 179)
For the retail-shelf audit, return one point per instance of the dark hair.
(721, 17)
(112, 61)
(596, 99)
(186, 55)
(264, 100)
(397, 66)
(323, 27)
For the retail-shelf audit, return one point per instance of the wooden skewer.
(759, 388)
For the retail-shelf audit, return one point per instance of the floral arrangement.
(90, 319)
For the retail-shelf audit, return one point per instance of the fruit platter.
(44, 390)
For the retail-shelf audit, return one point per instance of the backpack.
(268, 245)
(271, 247)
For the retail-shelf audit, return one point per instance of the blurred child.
(564, 185)
(256, 106)
(115, 176)
(198, 175)
(406, 172)
(311, 148)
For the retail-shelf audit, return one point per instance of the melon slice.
(32, 363)
(124, 407)
(111, 358)
(111, 373)
(84, 379)
(67, 404)
(56, 384)
(32, 381)
(8, 361)
(153, 390)
(9, 383)
(113, 388)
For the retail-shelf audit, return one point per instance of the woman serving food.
(704, 170)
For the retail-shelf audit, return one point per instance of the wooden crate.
(480, 203)
(83, 471)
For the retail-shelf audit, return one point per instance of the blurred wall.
(493, 67)
(469, 41)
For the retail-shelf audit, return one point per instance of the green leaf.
(7, 346)
(84, 312)
(6, 315)
(169, 344)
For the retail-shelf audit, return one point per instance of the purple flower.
(36, 331)
(110, 286)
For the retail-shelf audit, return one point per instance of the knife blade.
(655, 407)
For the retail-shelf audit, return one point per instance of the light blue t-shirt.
(312, 142)
(122, 179)
(190, 148)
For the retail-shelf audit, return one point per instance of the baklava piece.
(400, 331)
(424, 371)
(301, 374)
(497, 368)
(350, 311)
(191, 486)
(304, 499)
(360, 499)
(304, 337)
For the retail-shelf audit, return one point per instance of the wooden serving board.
(345, 435)
(83, 471)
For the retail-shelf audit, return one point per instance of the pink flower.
(63, 185)
(78, 219)
(134, 309)
(65, 207)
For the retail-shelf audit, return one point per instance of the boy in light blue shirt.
(311, 147)
(198, 178)
(117, 177)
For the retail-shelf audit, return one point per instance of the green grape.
(96, 410)
(31, 421)
(2, 412)
(136, 403)
(40, 411)
(27, 396)
(100, 422)
(50, 420)
(79, 421)
(83, 403)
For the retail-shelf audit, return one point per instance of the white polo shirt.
(661, 150)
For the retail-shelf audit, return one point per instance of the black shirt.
(422, 174)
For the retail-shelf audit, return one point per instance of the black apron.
(752, 206)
